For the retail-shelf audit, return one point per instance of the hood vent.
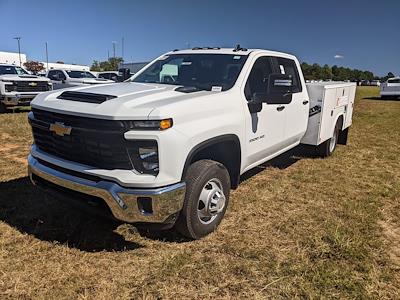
(85, 97)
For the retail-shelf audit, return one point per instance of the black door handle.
(280, 108)
(305, 102)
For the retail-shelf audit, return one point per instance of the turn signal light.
(165, 124)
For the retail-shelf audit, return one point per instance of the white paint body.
(197, 117)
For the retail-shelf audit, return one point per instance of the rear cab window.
(288, 66)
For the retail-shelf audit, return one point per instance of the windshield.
(12, 70)
(396, 80)
(80, 74)
(216, 72)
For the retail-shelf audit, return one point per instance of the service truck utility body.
(166, 146)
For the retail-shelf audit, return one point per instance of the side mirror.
(280, 89)
(280, 84)
(124, 73)
(255, 104)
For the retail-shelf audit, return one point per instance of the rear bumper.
(395, 93)
(130, 205)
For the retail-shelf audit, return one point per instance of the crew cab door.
(264, 129)
(297, 108)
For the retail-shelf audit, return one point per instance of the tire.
(3, 108)
(328, 147)
(207, 197)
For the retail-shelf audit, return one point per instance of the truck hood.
(12, 77)
(131, 100)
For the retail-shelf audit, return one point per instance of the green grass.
(310, 228)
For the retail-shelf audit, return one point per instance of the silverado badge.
(32, 83)
(60, 129)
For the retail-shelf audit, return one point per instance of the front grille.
(32, 86)
(93, 142)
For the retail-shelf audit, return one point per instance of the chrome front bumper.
(126, 204)
(18, 99)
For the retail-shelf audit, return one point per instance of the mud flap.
(343, 134)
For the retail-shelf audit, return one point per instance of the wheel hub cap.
(211, 201)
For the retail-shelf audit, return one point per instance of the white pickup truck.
(390, 88)
(62, 78)
(18, 87)
(167, 146)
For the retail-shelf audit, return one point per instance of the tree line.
(335, 73)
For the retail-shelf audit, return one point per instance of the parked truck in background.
(64, 78)
(390, 88)
(18, 87)
(166, 147)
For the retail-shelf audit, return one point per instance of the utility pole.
(108, 54)
(47, 59)
(18, 38)
(122, 48)
(114, 42)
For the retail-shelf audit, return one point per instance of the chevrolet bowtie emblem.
(32, 83)
(60, 129)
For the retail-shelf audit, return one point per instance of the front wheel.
(206, 199)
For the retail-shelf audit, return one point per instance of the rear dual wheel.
(206, 199)
(328, 147)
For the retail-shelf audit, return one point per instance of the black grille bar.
(31, 86)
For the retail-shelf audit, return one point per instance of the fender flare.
(209, 142)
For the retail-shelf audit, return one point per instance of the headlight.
(150, 124)
(10, 86)
(144, 156)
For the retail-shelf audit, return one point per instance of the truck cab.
(62, 78)
(18, 87)
(166, 147)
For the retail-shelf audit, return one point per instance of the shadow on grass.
(282, 161)
(381, 99)
(32, 211)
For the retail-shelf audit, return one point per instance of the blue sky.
(365, 33)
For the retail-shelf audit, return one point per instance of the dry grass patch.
(299, 227)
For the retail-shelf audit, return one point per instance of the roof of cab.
(232, 51)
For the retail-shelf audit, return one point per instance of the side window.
(104, 75)
(257, 82)
(288, 67)
(51, 75)
(61, 75)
